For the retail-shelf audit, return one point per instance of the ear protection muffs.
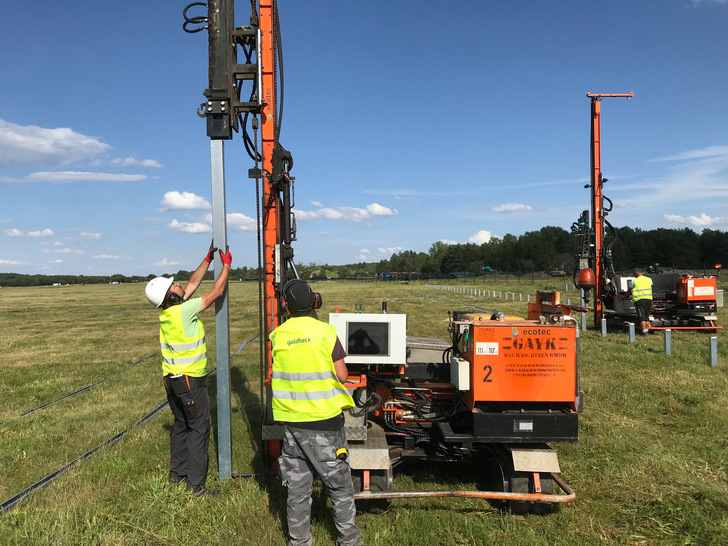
(284, 305)
(173, 298)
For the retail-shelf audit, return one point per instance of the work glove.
(227, 258)
(210, 254)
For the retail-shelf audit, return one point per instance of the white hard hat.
(157, 288)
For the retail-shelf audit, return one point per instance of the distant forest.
(544, 251)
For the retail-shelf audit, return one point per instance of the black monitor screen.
(368, 338)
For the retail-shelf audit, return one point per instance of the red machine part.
(597, 197)
(690, 290)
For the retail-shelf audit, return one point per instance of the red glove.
(210, 254)
(227, 258)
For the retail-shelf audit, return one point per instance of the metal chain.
(260, 266)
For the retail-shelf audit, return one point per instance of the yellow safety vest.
(181, 354)
(642, 288)
(303, 381)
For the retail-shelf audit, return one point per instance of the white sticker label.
(703, 291)
(486, 348)
(523, 426)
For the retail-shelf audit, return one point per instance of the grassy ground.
(650, 467)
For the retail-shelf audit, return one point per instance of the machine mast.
(226, 112)
(271, 238)
(597, 200)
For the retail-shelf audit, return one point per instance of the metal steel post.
(668, 341)
(713, 350)
(631, 332)
(222, 326)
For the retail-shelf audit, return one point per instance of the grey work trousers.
(304, 454)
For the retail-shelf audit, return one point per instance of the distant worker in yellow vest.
(308, 397)
(642, 299)
(184, 359)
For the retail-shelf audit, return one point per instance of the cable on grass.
(12, 501)
(89, 387)
(79, 391)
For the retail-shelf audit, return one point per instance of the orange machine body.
(520, 361)
(691, 290)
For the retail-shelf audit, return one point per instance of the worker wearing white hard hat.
(184, 359)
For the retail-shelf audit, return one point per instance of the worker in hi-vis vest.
(184, 359)
(308, 397)
(642, 298)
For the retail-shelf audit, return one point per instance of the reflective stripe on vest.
(181, 354)
(303, 381)
(642, 288)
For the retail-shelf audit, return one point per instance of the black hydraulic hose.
(200, 20)
(279, 68)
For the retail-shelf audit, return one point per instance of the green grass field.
(650, 467)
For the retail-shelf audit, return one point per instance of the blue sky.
(409, 123)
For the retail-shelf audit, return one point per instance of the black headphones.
(283, 304)
(173, 298)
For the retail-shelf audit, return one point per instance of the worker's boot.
(202, 491)
(174, 479)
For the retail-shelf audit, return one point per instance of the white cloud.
(375, 209)
(42, 233)
(64, 177)
(698, 2)
(89, 235)
(481, 237)
(389, 251)
(174, 200)
(237, 220)
(512, 207)
(448, 242)
(165, 262)
(31, 145)
(353, 214)
(695, 175)
(133, 162)
(38, 233)
(702, 221)
(189, 227)
(12, 262)
(67, 250)
(710, 151)
(106, 257)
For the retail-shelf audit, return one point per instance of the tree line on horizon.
(554, 249)
(548, 249)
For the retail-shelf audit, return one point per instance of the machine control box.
(520, 361)
(690, 289)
